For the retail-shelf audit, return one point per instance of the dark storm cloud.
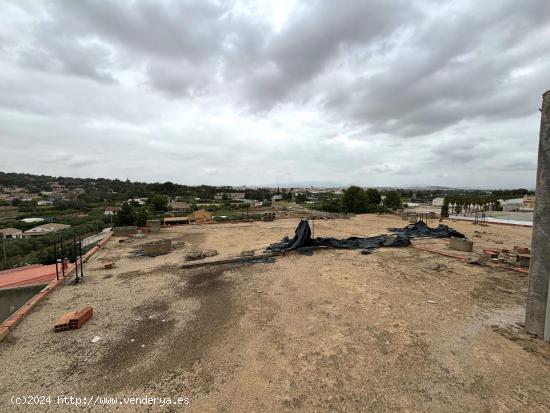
(320, 32)
(334, 86)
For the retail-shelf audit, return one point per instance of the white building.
(438, 202)
(511, 205)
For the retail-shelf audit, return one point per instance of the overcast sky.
(371, 92)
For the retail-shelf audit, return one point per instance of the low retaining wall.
(124, 231)
(11, 299)
(461, 244)
(7, 326)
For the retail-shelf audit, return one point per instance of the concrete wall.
(94, 238)
(13, 298)
(124, 231)
(153, 225)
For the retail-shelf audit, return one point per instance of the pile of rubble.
(518, 257)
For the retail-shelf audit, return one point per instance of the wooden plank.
(229, 260)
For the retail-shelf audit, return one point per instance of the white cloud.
(247, 92)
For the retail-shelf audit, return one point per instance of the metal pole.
(80, 253)
(55, 258)
(537, 312)
(75, 259)
(4, 248)
(62, 258)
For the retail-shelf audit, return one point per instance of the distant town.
(34, 209)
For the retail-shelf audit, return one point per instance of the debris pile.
(160, 247)
(199, 255)
(518, 257)
(421, 230)
(400, 238)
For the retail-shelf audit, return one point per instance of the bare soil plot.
(398, 330)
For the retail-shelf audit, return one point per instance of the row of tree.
(358, 200)
(455, 204)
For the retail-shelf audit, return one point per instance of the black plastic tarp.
(302, 238)
(400, 238)
(421, 229)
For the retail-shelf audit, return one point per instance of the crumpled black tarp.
(400, 238)
(420, 229)
(302, 238)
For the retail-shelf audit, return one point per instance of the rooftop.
(399, 329)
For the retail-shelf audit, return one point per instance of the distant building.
(438, 202)
(529, 202)
(11, 233)
(44, 203)
(44, 229)
(277, 198)
(181, 208)
(32, 220)
(234, 196)
(57, 187)
(139, 201)
(176, 220)
(511, 205)
(201, 216)
(110, 210)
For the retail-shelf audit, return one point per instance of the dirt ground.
(397, 330)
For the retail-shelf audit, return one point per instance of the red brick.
(12, 322)
(490, 253)
(74, 319)
(4, 331)
(522, 250)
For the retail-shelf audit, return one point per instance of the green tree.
(300, 198)
(374, 196)
(355, 200)
(126, 215)
(141, 216)
(445, 208)
(158, 202)
(393, 200)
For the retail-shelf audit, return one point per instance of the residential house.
(201, 216)
(44, 229)
(234, 196)
(180, 208)
(110, 210)
(529, 202)
(438, 202)
(11, 233)
(511, 205)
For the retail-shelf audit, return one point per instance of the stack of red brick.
(520, 256)
(73, 319)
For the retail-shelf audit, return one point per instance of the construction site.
(209, 313)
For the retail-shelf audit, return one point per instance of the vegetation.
(39, 250)
(471, 202)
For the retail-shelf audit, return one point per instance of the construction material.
(421, 230)
(461, 244)
(73, 319)
(155, 248)
(400, 238)
(153, 225)
(267, 257)
(125, 231)
(199, 255)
